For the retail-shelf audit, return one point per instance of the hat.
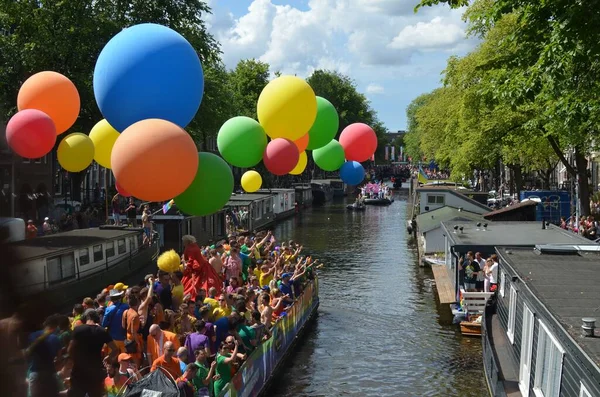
(46, 219)
(286, 275)
(115, 292)
(121, 286)
(124, 357)
(30, 221)
(266, 288)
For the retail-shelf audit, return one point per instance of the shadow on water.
(380, 329)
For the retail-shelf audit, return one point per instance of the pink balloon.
(31, 133)
(359, 142)
(281, 156)
(121, 191)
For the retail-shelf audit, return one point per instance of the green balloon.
(329, 157)
(211, 188)
(325, 126)
(242, 141)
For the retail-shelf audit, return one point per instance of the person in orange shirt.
(157, 340)
(131, 323)
(168, 361)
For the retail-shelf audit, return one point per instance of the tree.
(247, 82)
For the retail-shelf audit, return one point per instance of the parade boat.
(257, 372)
(63, 268)
(379, 201)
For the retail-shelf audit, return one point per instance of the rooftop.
(240, 200)
(433, 219)
(567, 285)
(514, 207)
(67, 241)
(514, 234)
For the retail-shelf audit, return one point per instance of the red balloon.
(281, 156)
(359, 142)
(31, 133)
(121, 191)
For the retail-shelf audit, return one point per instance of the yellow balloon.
(251, 181)
(287, 108)
(104, 136)
(75, 152)
(301, 165)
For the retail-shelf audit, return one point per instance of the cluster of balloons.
(295, 120)
(148, 84)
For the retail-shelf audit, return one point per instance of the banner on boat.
(256, 371)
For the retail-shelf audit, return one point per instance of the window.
(512, 313)
(502, 282)
(548, 367)
(110, 249)
(132, 244)
(61, 267)
(98, 254)
(84, 256)
(435, 199)
(121, 249)
(583, 391)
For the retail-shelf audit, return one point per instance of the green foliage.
(451, 3)
(247, 81)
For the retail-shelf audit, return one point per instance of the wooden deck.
(443, 284)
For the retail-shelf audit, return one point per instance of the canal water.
(380, 330)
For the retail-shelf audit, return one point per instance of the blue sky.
(392, 54)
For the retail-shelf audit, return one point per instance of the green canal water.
(380, 330)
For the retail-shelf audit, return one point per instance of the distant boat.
(379, 201)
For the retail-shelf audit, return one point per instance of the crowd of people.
(196, 324)
(478, 274)
(586, 226)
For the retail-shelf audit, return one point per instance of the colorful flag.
(168, 206)
(422, 177)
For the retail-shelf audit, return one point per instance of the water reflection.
(379, 331)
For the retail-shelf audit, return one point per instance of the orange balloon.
(154, 160)
(53, 94)
(302, 143)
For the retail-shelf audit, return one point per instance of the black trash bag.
(155, 384)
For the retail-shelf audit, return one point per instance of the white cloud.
(375, 89)
(434, 34)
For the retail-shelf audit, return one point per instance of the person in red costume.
(198, 273)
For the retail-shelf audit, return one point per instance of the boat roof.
(55, 244)
(433, 219)
(244, 199)
(507, 234)
(566, 284)
(462, 194)
(511, 208)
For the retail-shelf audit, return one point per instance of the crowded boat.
(200, 318)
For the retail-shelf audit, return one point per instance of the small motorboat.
(356, 207)
(379, 201)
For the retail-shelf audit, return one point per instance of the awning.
(443, 284)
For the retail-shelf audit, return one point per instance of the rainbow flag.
(422, 177)
(168, 206)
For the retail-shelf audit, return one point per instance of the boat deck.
(509, 370)
(443, 284)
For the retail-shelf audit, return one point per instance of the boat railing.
(490, 362)
(85, 274)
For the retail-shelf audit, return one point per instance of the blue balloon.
(148, 71)
(352, 173)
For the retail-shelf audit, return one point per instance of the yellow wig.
(169, 261)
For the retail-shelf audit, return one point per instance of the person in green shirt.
(203, 380)
(224, 359)
(248, 336)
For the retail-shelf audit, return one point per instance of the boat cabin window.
(435, 199)
(98, 254)
(121, 249)
(84, 256)
(110, 249)
(512, 314)
(583, 391)
(548, 364)
(131, 244)
(502, 282)
(60, 268)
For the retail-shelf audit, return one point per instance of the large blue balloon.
(352, 173)
(148, 71)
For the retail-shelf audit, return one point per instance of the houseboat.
(284, 204)
(259, 369)
(539, 334)
(252, 211)
(322, 192)
(65, 267)
(434, 197)
(304, 196)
